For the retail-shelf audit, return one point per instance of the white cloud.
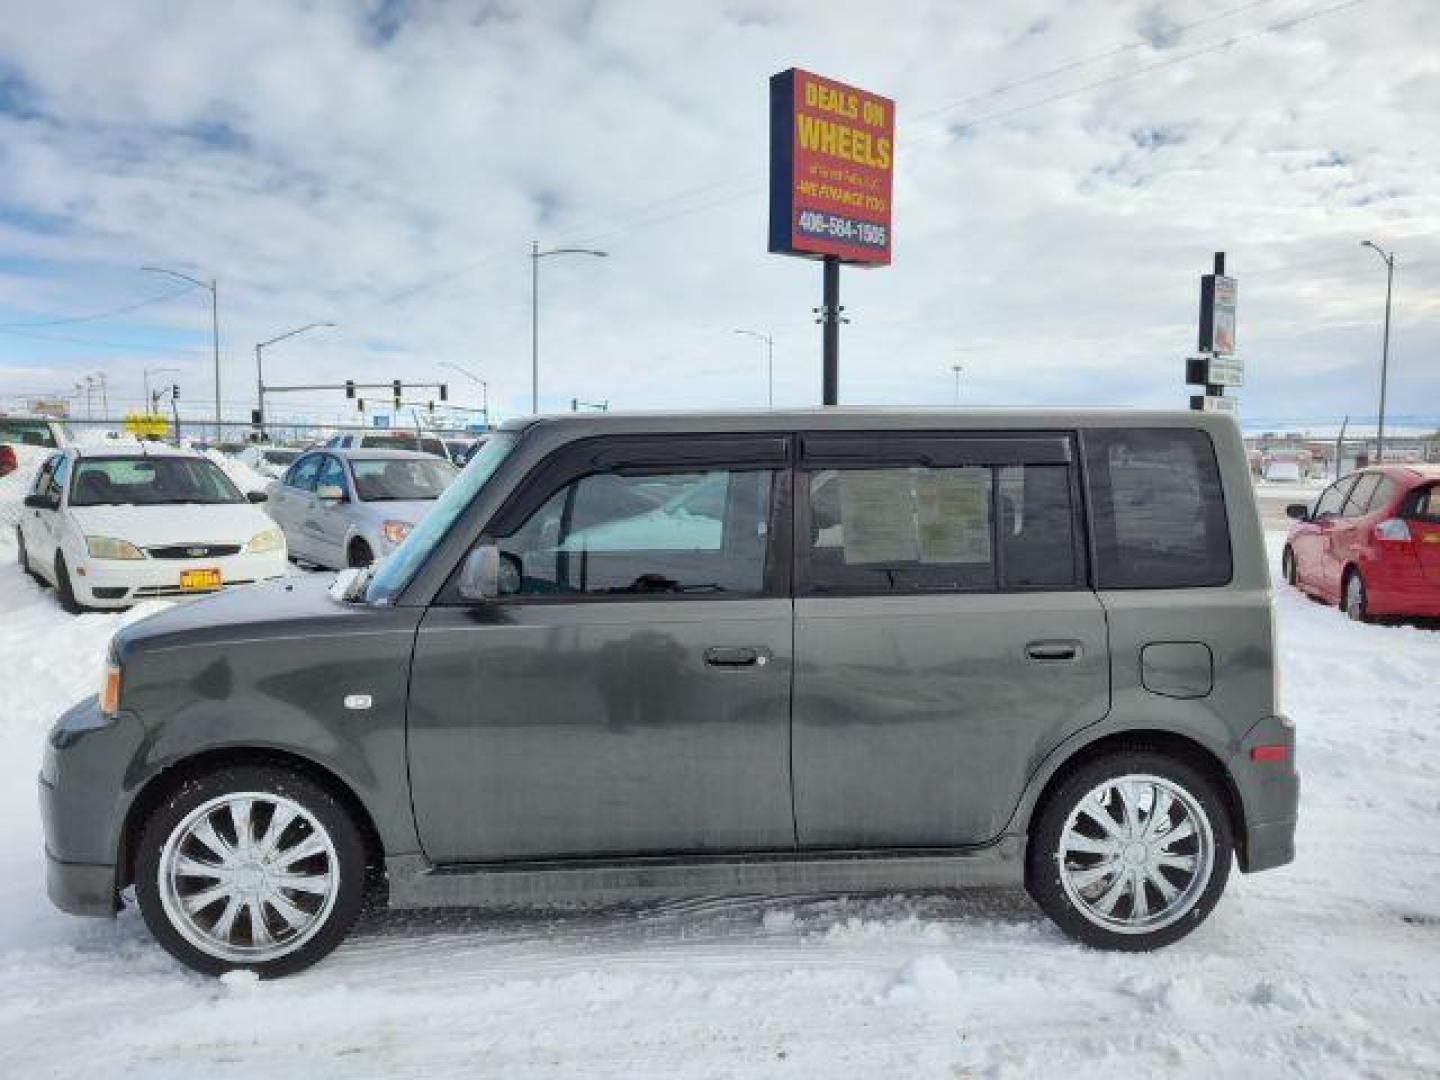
(388, 173)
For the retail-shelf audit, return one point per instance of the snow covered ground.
(1327, 968)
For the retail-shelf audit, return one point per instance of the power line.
(127, 345)
(69, 319)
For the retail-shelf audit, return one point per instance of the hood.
(291, 607)
(151, 526)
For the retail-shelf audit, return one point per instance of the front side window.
(150, 481)
(302, 473)
(1332, 499)
(1158, 509)
(42, 478)
(677, 534)
(1423, 504)
(1359, 500)
(58, 477)
(1385, 493)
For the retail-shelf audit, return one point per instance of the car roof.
(371, 453)
(130, 450)
(579, 425)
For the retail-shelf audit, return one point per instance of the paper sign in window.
(953, 515)
(877, 508)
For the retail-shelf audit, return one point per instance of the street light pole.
(260, 372)
(484, 388)
(214, 286)
(769, 341)
(535, 256)
(1389, 258)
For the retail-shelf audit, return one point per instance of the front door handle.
(1054, 651)
(733, 657)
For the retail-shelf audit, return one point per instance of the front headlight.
(107, 547)
(269, 540)
(396, 531)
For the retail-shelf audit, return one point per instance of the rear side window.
(1424, 504)
(302, 473)
(918, 530)
(1158, 509)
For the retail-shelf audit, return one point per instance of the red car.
(1371, 543)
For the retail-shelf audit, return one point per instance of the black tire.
(23, 557)
(1287, 568)
(317, 801)
(1354, 599)
(359, 554)
(1043, 868)
(63, 589)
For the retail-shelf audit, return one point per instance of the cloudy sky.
(1066, 169)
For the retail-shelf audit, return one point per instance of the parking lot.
(1326, 967)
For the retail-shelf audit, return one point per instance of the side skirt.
(416, 883)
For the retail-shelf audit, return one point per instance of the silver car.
(343, 508)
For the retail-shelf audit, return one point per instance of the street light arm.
(1388, 258)
(292, 333)
(468, 374)
(570, 251)
(210, 285)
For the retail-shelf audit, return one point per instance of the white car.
(111, 526)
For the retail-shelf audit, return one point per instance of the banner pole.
(830, 331)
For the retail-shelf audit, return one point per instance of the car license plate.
(200, 579)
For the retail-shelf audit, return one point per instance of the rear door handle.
(736, 657)
(1054, 651)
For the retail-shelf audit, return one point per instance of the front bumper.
(122, 582)
(82, 803)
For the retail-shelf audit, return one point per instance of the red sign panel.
(832, 165)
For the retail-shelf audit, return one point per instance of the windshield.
(394, 573)
(27, 433)
(281, 457)
(404, 442)
(150, 481)
(392, 479)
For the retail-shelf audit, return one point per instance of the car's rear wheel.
(1356, 602)
(360, 555)
(255, 867)
(1131, 851)
(63, 589)
(1287, 567)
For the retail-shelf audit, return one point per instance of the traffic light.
(175, 391)
(444, 393)
(398, 388)
(350, 388)
(430, 405)
(360, 404)
(255, 417)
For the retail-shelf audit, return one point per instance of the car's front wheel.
(1131, 852)
(252, 866)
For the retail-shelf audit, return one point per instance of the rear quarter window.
(1157, 508)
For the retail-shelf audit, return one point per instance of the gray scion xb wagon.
(637, 656)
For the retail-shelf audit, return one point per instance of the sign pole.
(830, 331)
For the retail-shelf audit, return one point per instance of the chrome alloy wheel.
(1136, 854)
(248, 876)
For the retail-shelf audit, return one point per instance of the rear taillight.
(1394, 529)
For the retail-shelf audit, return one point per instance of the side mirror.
(38, 502)
(480, 573)
(330, 493)
(256, 496)
(1298, 511)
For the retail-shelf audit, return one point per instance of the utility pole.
(535, 256)
(1389, 259)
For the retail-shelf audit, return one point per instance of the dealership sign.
(1217, 314)
(832, 164)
